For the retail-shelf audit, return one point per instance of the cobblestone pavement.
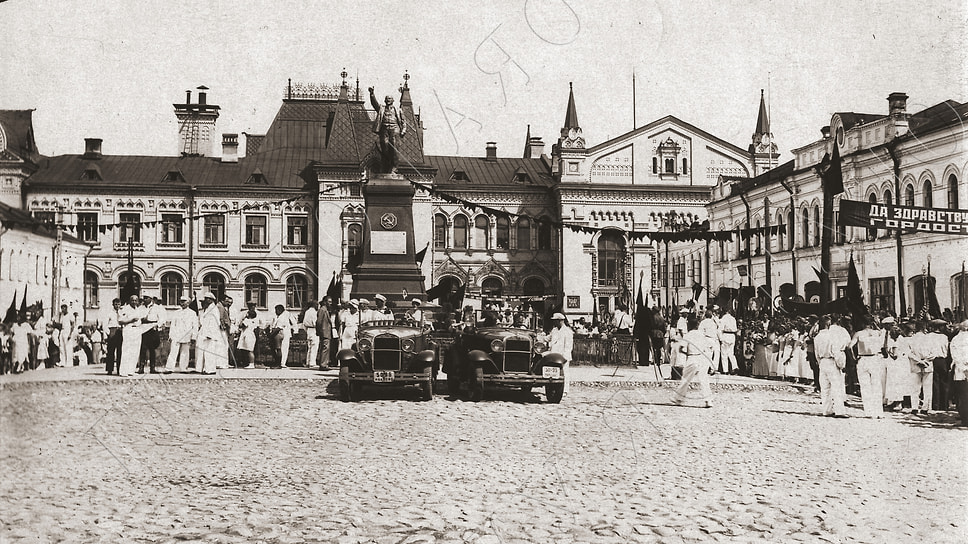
(214, 460)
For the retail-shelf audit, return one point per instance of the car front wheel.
(554, 392)
(427, 387)
(477, 385)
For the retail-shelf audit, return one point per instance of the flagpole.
(898, 247)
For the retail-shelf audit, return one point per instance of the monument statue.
(390, 125)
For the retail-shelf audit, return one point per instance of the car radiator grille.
(386, 353)
(517, 355)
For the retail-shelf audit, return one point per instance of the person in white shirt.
(112, 359)
(727, 342)
(710, 327)
(211, 353)
(870, 366)
(312, 338)
(959, 370)
(349, 324)
(65, 336)
(381, 312)
(697, 350)
(184, 327)
(561, 340)
(621, 321)
(830, 344)
(130, 319)
(937, 355)
(280, 331)
(415, 314)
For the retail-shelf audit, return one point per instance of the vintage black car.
(388, 354)
(489, 353)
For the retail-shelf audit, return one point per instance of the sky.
(480, 71)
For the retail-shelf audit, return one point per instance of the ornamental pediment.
(450, 268)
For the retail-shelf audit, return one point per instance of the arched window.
(524, 233)
(91, 283)
(481, 232)
(172, 288)
(214, 283)
(655, 165)
(128, 284)
(440, 231)
(503, 232)
(256, 290)
(533, 287)
(685, 165)
(670, 166)
(460, 232)
(805, 225)
(544, 233)
(791, 225)
(909, 195)
(354, 240)
(492, 287)
(780, 232)
(872, 233)
(817, 227)
(928, 194)
(611, 255)
(952, 192)
(297, 291)
(759, 238)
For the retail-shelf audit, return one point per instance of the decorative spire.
(571, 116)
(762, 120)
(405, 91)
(343, 75)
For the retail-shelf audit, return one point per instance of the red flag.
(832, 176)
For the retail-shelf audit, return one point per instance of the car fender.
(424, 358)
(348, 358)
(551, 359)
(476, 358)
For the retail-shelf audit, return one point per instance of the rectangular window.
(882, 294)
(697, 270)
(130, 228)
(46, 217)
(255, 230)
(296, 234)
(214, 227)
(87, 226)
(171, 228)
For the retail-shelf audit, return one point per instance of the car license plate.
(550, 372)
(383, 376)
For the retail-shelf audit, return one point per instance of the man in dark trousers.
(324, 329)
(113, 331)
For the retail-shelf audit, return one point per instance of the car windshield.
(518, 319)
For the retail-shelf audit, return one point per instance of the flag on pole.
(832, 176)
(932, 309)
(421, 254)
(11, 316)
(23, 305)
(334, 292)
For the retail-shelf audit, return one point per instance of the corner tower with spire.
(569, 152)
(762, 149)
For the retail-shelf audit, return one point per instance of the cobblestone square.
(211, 460)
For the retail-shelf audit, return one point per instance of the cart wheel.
(554, 392)
(477, 385)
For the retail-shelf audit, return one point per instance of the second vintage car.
(489, 353)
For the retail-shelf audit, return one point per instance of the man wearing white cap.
(366, 313)
(184, 326)
(381, 312)
(210, 349)
(560, 341)
(415, 314)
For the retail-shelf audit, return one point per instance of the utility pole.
(58, 262)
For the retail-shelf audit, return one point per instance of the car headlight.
(497, 345)
(365, 344)
(407, 344)
(540, 347)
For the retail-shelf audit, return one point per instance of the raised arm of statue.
(373, 100)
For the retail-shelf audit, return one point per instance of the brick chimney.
(491, 151)
(825, 130)
(535, 147)
(897, 108)
(230, 148)
(92, 149)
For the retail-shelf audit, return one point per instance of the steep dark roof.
(851, 119)
(940, 115)
(762, 119)
(18, 127)
(502, 171)
(741, 184)
(571, 114)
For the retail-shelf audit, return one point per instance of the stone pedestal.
(389, 264)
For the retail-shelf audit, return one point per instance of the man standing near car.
(561, 339)
(324, 330)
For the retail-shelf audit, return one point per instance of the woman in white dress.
(246, 342)
(350, 325)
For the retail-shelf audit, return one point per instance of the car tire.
(356, 391)
(344, 385)
(554, 392)
(477, 385)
